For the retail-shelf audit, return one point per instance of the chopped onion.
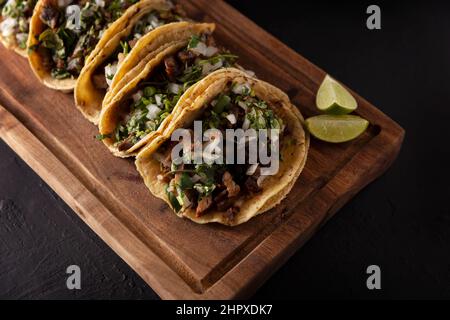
(7, 27)
(22, 37)
(204, 50)
(137, 96)
(158, 98)
(250, 73)
(110, 71)
(207, 68)
(246, 124)
(154, 21)
(174, 88)
(153, 111)
(100, 35)
(243, 105)
(186, 202)
(252, 169)
(232, 118)
(72, 64)
(241, 88)
(11, 3)
(100, 3)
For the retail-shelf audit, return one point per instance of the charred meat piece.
(233, 188)
(209, 41)
(99, 81)
(167, 161)
(50, 14)
(251, 185)
(225, 204)
(126, 144)
(172, 68)
(239, 113)
(132, 43)
(203, 205)
(60, 64)
(186, 56)
(231, 212)
(74, 65)
(222, 196)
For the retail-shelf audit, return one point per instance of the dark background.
(401, 222)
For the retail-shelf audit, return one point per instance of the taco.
(229, 194)
(146, 98)
(63, 35)
(97, 76)
(15, 16)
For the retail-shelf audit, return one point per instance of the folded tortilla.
(143, 83)
(64, 34)
(146, 16)
(246, 204)
(15, 16)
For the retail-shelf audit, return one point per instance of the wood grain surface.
(177, 258)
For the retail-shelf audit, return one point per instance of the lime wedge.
(336, 129)
(333, 98)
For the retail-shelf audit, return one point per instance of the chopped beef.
(47, 61)
(126, 144)
(231, 212)
(251, 184)
(222, 196)
(132, 43)
(203, 205)
(239, 113)
(99, 81)
(177, 10)
(80, 47)
(172, 68)
(74, 65)
(50, 14)
(225, 204)
(210, 42)
(186, 56)
(28, 10)
(232, 187)
(60, 64)
(167, 161)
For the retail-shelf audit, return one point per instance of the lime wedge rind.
(336, 129)
(333, 98)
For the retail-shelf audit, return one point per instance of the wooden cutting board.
(177, 258)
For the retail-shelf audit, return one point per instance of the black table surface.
(401, 222)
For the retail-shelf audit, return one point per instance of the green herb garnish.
(194, 42)
(101, 137)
